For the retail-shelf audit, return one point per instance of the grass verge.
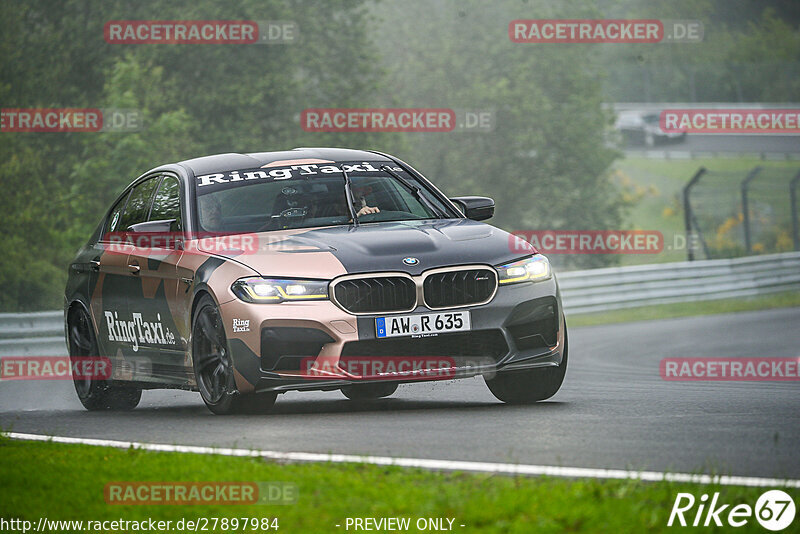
(66, 482)
(787, 299)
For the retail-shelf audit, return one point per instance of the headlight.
(533, 269)
(273, 291)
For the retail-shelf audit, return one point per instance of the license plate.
(414, 325)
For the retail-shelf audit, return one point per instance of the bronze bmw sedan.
(243, 276)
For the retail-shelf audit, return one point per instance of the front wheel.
(530, 385)
(95, 394)
(213, 366)
(368, 391)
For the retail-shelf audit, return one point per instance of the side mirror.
(475, 208)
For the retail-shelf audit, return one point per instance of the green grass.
(656, 186)
(66, 482)
(687, 309)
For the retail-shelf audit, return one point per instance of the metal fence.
(734, 215)
(595, 290)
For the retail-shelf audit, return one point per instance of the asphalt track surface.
(614, 411)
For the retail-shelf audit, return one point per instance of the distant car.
(244, 276)
(645, 129)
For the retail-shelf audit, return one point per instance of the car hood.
(371, 247)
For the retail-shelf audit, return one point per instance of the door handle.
(134, 267)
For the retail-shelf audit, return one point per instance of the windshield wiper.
(416, 191)
(348, 193)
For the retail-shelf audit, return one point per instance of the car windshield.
(259, 200)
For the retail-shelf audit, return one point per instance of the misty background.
(547, 162)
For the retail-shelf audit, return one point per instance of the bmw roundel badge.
(411, 261)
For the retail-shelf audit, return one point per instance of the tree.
(195, 100)
(545, 162)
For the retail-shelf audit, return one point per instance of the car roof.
(235, 161)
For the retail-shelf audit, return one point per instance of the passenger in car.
(210, 213)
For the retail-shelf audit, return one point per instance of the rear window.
(113, 221)
(167, 203)
(138, 206)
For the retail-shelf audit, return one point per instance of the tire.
(95, 395)
(369, 391)
(530, 385)
(213, 366)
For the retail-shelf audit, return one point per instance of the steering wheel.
(275, 222)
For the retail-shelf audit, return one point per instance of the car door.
(152, 305)
(122, 331)
(107, 302)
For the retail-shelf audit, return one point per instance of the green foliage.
(546, 162)
(745, 42)
(194, 99)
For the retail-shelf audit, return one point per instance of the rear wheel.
(530, 385)
(369, 391)
(93, 393)
(213, 366)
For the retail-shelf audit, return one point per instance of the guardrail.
(595, 290)
(644, 285)
(32, 334)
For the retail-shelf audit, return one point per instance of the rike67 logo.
(774, 510)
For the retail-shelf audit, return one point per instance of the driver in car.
(337, 206)
(360, 202)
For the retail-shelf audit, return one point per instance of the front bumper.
(311, 345)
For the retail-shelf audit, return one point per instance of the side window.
(112, 223)
(138, 204)
(167, 203)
